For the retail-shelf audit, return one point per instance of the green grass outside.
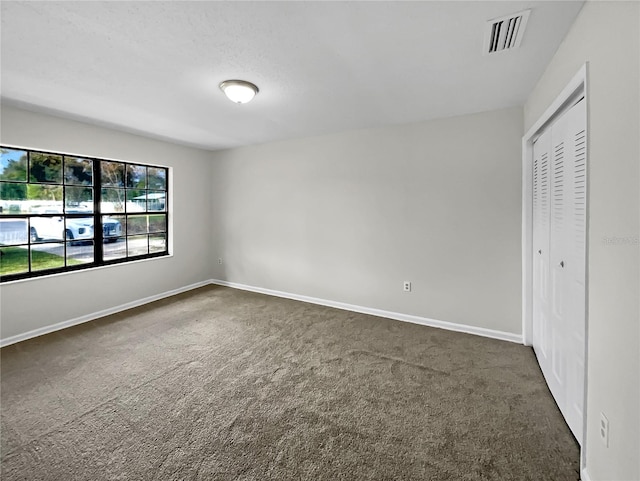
(15, 260)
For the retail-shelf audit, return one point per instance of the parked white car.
(77, 229)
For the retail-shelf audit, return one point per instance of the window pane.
(157, 243)
(79, 254)
(137, 245)
(136, 176)
(13, 165)
(13, 198)
(14, 260)
(78, 171)
(79, 228)
(112, 200)
(158, 223)
(136, 200)
(156, 178)
(156, 200)
(112, 174)
(47, 256)
(45, 168)
(137, 224)
(13, 231)
(78, 199)
(113, 228)
(45, 229)
(44, 199)
(115, 250)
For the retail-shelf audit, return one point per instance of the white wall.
(36, 303)
(606, 34)
(348, 217)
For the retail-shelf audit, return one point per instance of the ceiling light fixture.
(239, 91)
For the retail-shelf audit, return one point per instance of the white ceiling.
(154, 67)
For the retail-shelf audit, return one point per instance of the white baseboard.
(584, 476)
(479, 331)
(95, 315)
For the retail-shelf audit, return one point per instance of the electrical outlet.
(406, 286)
(604, 429)
(219, 260)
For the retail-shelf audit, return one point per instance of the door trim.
(577, 87)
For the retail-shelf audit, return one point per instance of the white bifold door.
(559, 248)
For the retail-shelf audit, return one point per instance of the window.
(63, 212)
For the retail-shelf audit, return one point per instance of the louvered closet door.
(559, 285)
(574, 259)
(541, 207)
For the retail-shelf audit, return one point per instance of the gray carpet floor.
(221, 384)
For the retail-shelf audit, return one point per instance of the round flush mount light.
(239, 91)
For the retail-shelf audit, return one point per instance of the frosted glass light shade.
(239, 91)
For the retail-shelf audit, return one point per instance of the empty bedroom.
(309, 240)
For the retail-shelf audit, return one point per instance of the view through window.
(63, 212)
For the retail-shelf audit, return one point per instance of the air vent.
(505, 33)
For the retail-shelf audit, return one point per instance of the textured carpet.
(221, 384)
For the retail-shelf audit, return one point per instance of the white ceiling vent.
(505, 33)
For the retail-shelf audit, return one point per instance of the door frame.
(577, 87)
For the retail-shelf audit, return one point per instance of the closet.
(559, 259)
